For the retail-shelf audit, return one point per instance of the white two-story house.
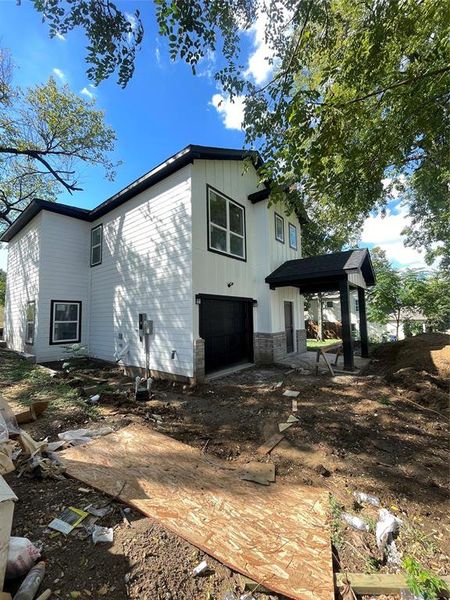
(187, 247)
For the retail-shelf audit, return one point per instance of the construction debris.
(355, 522)
(200, 568)
(270, 444)
(262, 473)
(294, 405)
(283, 426)
(22, 555)
(31, 583)
(82, 436)
(387, 526)
(363, 498)
(68, 520)
(32, 413)
(291, 393)
(102, 534)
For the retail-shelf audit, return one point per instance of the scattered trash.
(200, 568)
(82, 436)
(362, 498)
(43, 465)
(278, 384)
(22, 555)
(29, 445)
(99, 512)
(283, 426)
(102, 534)
(68, 520)
(31, 583)
(291, 393)
(294, 405)
(7, 456)
(292, 419)
(8, 422)
(355, 522)
(394, 557)
(45, 595)
(53, 446)
(387, 525)
(94, 399)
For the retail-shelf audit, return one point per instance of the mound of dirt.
(420, 365)
(429, 352)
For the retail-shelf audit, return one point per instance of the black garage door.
(226, 325)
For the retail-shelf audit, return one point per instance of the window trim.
(277, 216)
(210, 188)
(52, 322)
(292, 226)
(96, 245)
(27, 342)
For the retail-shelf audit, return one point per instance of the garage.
(226, 325)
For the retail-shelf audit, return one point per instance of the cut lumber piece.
(276, 535)
(294, 405)
(284, 426)
(32, 412)
(270, 444)
(262, 473)
(291, 393)
(377, 584)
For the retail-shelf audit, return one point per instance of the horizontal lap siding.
(64, 275)
(22, 283)
(146, 267)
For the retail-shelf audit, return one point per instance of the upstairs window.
(330, 304)
(96, 245)
(226, 225)
(65, 322)
(292, 236)
(31, 319)
(279, 228)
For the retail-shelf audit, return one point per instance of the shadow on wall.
(146, 268)
(22, 287)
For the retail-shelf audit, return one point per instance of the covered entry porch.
(337, 272)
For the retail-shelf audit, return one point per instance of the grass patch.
(25, 382)
(314, 344)
(337, 525)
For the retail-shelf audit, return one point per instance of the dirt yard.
(355, 433)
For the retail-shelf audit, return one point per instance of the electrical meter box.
(145, 326)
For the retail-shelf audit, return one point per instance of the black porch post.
(363, 322)
(344, 294)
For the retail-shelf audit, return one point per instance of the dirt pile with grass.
(420, 365)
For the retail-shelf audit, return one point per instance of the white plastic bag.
(387, 525)
(102, 534)
(362, 497)
(355, 522)
(22, 555)
(83, 436)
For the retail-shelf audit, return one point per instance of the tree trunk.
(320, 319)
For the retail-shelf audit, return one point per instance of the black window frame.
(210, 188)
(292, 226)
(277, 216)
(52, 313)
(329, 304)
(92, 246)
(27, 339)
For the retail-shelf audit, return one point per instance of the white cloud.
(231, 111)
(385, 232)
(59, 74)
(259, 65)
(87, 92)
(60, 36)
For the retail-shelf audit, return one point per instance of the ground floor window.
(65, 322)
(31, 318)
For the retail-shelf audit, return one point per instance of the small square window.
(329, 303)
(279, 228)
(96, 245)
(292, 236)
(65, 322)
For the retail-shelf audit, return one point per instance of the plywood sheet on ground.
(277, 535)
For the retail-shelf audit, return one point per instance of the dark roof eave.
(165, 169)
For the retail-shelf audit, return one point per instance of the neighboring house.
(187, 246)
(332, 314)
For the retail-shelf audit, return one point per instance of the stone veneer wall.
(301, 340)
(269, 347)
(199, 360)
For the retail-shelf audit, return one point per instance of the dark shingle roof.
(324, 266)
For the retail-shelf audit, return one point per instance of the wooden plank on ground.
(263, 473)
(376, 584)
(277, 535)
(270, 444)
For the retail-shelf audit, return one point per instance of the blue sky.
(162, 109)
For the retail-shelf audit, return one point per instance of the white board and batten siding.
(213, 272)
(22, 284)
(146, 268)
